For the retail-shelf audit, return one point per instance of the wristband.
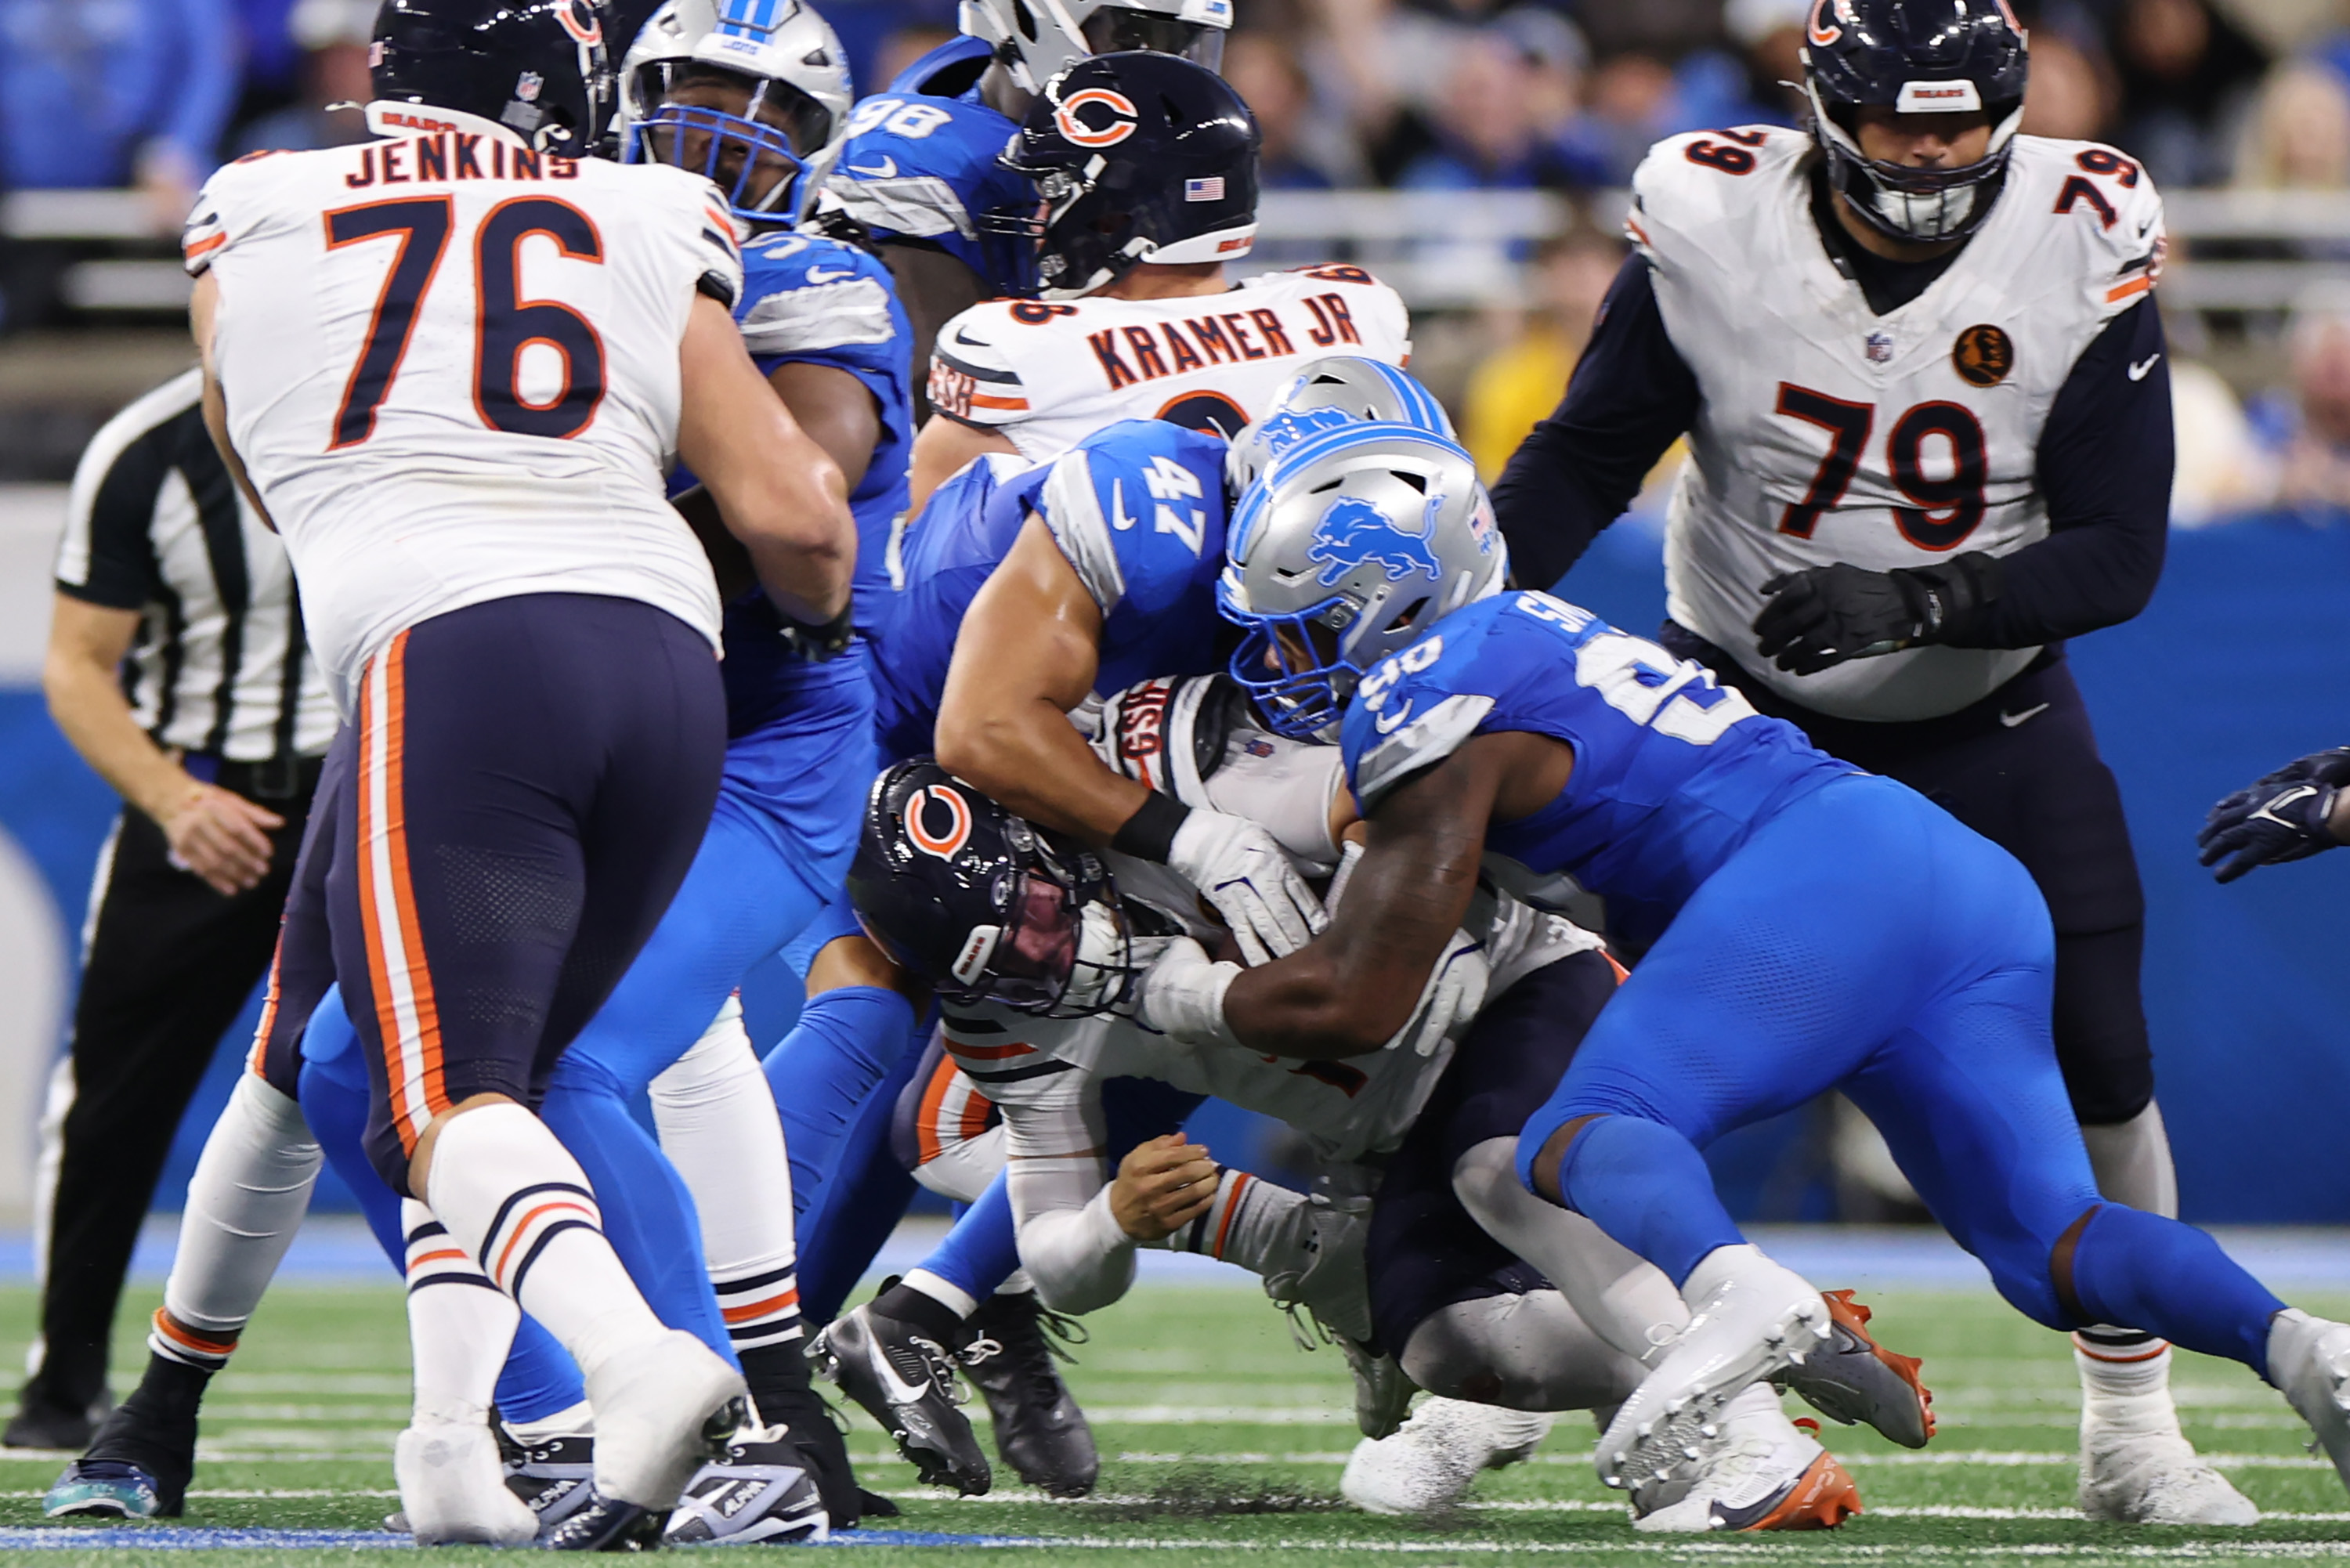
(821, 642)
(1150, 833)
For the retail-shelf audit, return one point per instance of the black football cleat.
(44, 1424)
(1039, 1431)
(809, 1425)
(606, 1524)
(138, 1466)
(553, 1476)
(906, 1381)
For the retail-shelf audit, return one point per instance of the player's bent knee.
(854, 960)
(1523, 1352)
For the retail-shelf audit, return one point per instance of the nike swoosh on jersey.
(1388, 722)
(886, 171)
(818, 274)
(2012, 720)
(1118, 517)
(2138, 371)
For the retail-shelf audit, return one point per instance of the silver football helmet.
(1346, 549)
(1037, 40)
(1325, 394)
(772, 159)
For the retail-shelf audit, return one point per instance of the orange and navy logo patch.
(579, 19)
(941, 831)
(1096, 117)
(1983, 356)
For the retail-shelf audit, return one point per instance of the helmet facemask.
(1904, 201)
(1064, 947)
(760, 157)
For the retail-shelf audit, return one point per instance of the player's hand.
(2279, 817)
(220, 837)
(1240, 868)
(1449, 1002)
(1816, 619)
(1182, 995)
(1162, 1185)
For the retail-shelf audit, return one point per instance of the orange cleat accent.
(1823, 1497)
(1849, 1320)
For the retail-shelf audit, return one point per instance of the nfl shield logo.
(528, 86)
(1211, 189)
(1880, 347)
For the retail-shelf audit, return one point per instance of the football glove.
(1240, 868)
(1820, 617)
(2276, 818)
(1449, 1002)
(1182, 995)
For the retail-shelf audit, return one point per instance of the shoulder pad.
(972, 378)
(1693, 184)
(801, 293)
(2102, 204)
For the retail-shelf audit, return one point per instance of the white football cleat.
(1428, 1465)
(2136, 1466)
(1756, 1471)
(453, 1488)
(661, 1412)
(1754, 1319)
(2309, 1361)
(1327, 1238)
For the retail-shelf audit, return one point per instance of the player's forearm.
(1024, 752)
(1079, 1258)
(88, 708)
(800, 535)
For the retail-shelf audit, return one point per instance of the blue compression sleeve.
(983, 1249)
(1644, 1184)
(826, 1070)
(2172, 1280)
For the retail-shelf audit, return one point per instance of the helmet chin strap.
(1109, 959)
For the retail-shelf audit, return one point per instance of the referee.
(177, 668)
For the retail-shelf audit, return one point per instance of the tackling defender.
(539, 718)
(1936, 446)
(1810, 927)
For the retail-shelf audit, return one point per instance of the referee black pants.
(168, 965)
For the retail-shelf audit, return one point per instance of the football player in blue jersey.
(1027, 591)
(920, 173)
(1813, 927)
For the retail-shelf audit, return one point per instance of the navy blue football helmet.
(1916, 57)
(1140, 157)
(987, 906)
(537, 67)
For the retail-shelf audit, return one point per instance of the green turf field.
(1222, 1444)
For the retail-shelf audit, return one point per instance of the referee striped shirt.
(156, 524)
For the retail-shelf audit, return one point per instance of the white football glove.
(1449, 1001)
(1242, 870)
(1183, 996)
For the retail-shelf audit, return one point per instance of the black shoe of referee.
(1039, 1431)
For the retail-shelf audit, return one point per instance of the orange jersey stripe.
(976, 1108)
(403, 892)
(934, 1098)
(989, 1052)
(2124, 290)
(253, 1059)
(387, 1017)
(1224, 1226)
(990, 400)
(203, 247)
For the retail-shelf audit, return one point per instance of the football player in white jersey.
(1922, 375)
(457, 401)
(1148, 167)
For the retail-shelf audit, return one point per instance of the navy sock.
(2172, 1280)
(1647, 1187)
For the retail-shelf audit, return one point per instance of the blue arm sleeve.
(1631, 397)
(205, 77)
(2105, 461)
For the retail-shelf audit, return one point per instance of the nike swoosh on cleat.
(2012, 720)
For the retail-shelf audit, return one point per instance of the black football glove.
(1818, 618)
(2276, 818)
(819, 643)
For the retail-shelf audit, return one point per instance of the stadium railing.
(1442, 249)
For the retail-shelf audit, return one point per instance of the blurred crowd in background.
(1563, 95)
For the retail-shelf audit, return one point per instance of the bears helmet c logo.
(1116, 124)
(958, 831)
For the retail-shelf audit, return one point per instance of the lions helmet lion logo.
(1353, 533)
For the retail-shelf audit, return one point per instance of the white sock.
(2124, 1378)
(571, 1421)
(512, 1196)
(717, 1121)
(2131, 1161)
(946, 1292)
(460, 1326)
(251, 1188)
(1246, 1223)
(1624, 1299)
